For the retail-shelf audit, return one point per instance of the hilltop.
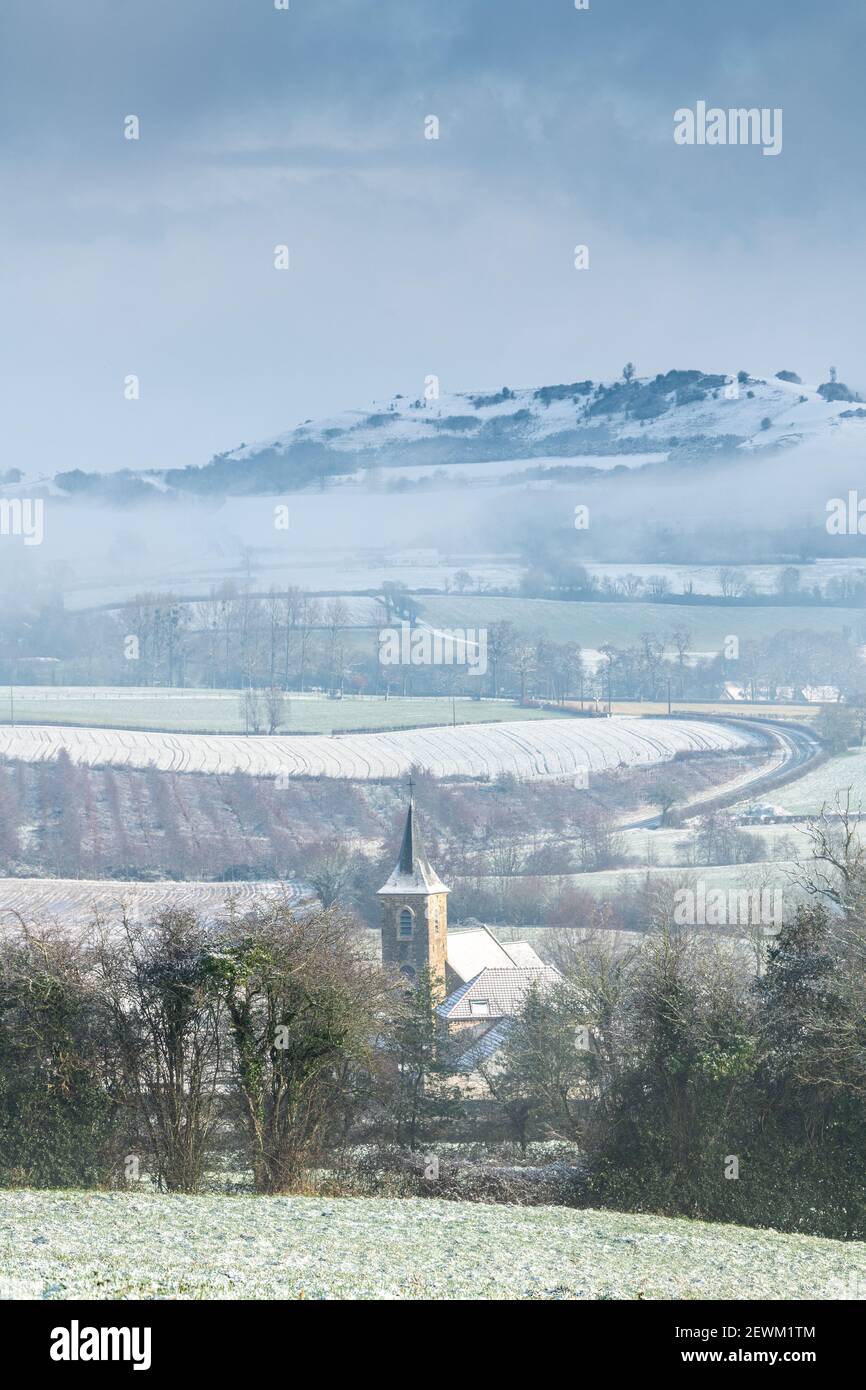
(681, 417)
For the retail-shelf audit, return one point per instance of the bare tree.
(276, 708)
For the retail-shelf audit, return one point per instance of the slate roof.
(413, 872)
(504, 991)
(484, 1047)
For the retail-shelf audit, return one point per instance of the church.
(481, 982)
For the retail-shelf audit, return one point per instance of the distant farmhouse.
(760, 691)
(481, 981)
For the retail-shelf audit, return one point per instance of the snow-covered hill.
(507, 435)
(578, 419)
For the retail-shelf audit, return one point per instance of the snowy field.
(102, 1245)
(346, 576)
(764, 579)
(69, 902)
(529, 749)
(821, 786)
(595, 623)
(221, 712)
(604, 883)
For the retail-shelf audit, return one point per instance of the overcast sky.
(408, 256)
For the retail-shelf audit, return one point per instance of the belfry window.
(407, 923)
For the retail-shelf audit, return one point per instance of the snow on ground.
(528, 749)
(704, 579)
(67, 901)
(824, 784)
(765, 412)
(107, 1245)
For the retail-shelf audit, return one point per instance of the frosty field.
(117, 1245)
(69, 901)
(820, 787)
(219, 711)
(593, 624)
(530, 749)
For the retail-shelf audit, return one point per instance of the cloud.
(409, 255)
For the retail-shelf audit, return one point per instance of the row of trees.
(166, 1049)
(690, 1081)
(689, 1085)
(290, 640)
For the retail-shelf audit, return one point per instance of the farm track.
(527, 749)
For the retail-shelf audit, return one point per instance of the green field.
(593, 624)
(118, 1245)
(220, 711)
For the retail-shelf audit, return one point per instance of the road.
(795, 749)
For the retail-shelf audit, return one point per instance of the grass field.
(118, 1245)
(592, 624)
(220, 712)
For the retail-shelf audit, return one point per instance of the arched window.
(409, 972)
(407, 923)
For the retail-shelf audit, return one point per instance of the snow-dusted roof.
(413, 872)
(524, 955)
(501, 991)
(473, 949)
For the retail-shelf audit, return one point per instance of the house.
(780, 694)
(821, 694)
(479, 981)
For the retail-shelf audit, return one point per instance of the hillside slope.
(681, 416)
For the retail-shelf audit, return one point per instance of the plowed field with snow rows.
(547, 748)
(68, 900)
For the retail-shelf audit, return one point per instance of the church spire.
(415, 910)
(413, 872)
(411, 844)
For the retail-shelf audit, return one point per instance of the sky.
(408, 256)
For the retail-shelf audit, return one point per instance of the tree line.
(713, 1078)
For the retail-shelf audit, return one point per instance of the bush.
(59, 1117)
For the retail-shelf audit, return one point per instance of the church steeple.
(413, 873)
(415, 909)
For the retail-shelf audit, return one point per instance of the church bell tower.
(415, 911)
